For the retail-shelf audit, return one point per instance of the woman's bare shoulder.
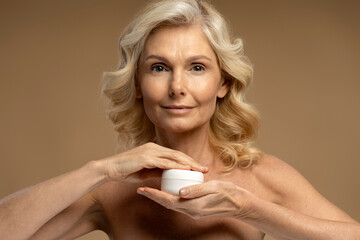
(293, 190)
(273, 168)
(281, 178)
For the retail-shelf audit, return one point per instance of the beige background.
(307, 69)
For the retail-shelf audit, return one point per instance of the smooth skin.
(179, 83)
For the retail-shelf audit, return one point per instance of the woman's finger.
(199, 190)
(181, 158)
(162, 163)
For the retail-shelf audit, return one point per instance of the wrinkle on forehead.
(178, 43)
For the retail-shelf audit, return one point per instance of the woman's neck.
(193, 143)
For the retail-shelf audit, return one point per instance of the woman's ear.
(138, 94)
(224, 88)
(138, 90)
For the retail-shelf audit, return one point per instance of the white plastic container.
(174, 179)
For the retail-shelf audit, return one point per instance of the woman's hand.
(147, 161)
(210, 199)
(225, 199)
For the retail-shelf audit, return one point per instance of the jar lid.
(183, 174)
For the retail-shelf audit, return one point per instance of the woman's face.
(179, 79)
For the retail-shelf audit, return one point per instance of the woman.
(177, 101)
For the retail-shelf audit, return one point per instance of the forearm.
(283, 223)
(24, 212)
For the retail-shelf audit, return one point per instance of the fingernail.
(184, 192)
(204, 168)
(142, 192)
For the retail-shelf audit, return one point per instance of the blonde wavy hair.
(234, 123)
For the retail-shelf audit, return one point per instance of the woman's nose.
(177, 84)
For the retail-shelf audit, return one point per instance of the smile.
(177, 109)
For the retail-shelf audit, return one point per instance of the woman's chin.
(181, 128)
(173, 129)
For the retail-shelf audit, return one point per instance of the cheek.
(207, 98)
(205, 93)
(151, 96)
(151, 91)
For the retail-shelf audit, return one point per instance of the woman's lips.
(177, 109)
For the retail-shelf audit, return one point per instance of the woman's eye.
(198, 68)
(157, 68)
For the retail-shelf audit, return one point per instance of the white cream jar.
(174, 179)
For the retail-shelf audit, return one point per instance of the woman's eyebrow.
(190, 59)
(156, 57)
(198, 57)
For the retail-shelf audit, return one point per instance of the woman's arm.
(25, 212)
(303, 209)
(302, 213)
(283, 223)
(224, 199)
(62, 206)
